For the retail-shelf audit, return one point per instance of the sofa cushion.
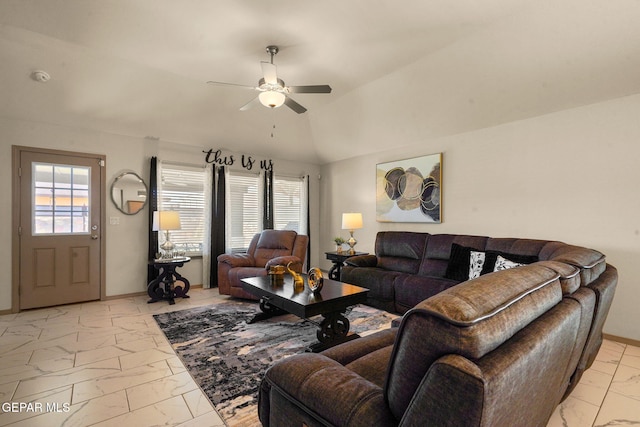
(272, 244)
(237, 274)
(436, 255)
(569, 275)
(513, 245)
(378, 281)
(591, 262)
(413, 289)
(400, 251)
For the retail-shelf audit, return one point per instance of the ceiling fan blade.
(250, 104)
(269, 73)
(231, 84)
(310, 89)
(294, 105)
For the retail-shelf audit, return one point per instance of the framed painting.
(410, 190)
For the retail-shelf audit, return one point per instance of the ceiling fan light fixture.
(271, 98)
(272, 90)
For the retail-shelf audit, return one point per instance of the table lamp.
(351, 221)
(165, 221)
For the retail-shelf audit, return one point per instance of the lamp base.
(167, 246)
(352, 242)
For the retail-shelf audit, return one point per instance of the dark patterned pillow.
(460, 263)
(492, 258)
(468, 263)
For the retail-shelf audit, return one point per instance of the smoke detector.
(40, 76)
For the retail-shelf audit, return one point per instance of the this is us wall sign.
(248, 162)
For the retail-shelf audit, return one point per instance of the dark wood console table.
(338, 259)
(164, 286)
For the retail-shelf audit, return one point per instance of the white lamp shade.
(271, 99)
(351, 221)
(166, 220)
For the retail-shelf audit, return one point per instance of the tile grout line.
(609, 386)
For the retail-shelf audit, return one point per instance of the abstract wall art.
(410, 190)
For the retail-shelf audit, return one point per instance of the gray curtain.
(267, 218)
(152, 273)
(217, 222)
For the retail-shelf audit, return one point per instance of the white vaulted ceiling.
(401, 72)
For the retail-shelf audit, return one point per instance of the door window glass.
(60, 199)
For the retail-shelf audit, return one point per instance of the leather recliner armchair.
(271, 247)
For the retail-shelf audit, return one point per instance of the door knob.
(94, 236)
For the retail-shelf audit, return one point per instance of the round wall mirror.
(129, 193)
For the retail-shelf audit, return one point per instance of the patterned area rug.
(227, 357)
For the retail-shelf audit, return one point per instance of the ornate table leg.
(168, 291)
(179, 291)
(268, 311)
(333, 330)
(154, 290)
(334, 326)
(334, 271)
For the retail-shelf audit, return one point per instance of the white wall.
(570, 176)
(126, 257)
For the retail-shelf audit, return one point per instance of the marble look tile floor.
(107, 363)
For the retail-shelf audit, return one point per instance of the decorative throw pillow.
(458, 266)
(476, 263)
(492, 259)
(505, 264)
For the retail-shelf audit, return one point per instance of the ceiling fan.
(273, 92)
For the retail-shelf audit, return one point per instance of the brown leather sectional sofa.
(501, 349)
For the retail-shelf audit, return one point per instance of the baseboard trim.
(622, 340)
(107, 298)
(135, 294)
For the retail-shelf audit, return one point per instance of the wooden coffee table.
(332, 302)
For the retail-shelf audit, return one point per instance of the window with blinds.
(244, 209)
(245, 196)
(181, 189)
(289, 212)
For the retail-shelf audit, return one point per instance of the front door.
(60, 227)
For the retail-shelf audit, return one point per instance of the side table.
(338, 259)
(163, 287)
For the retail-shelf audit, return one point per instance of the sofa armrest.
(362, 261)
(349, 351)
(323, 388)
(237, 260)
(284, 260)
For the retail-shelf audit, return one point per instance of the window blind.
(181, 189)
(244, 210)
(288, 209)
